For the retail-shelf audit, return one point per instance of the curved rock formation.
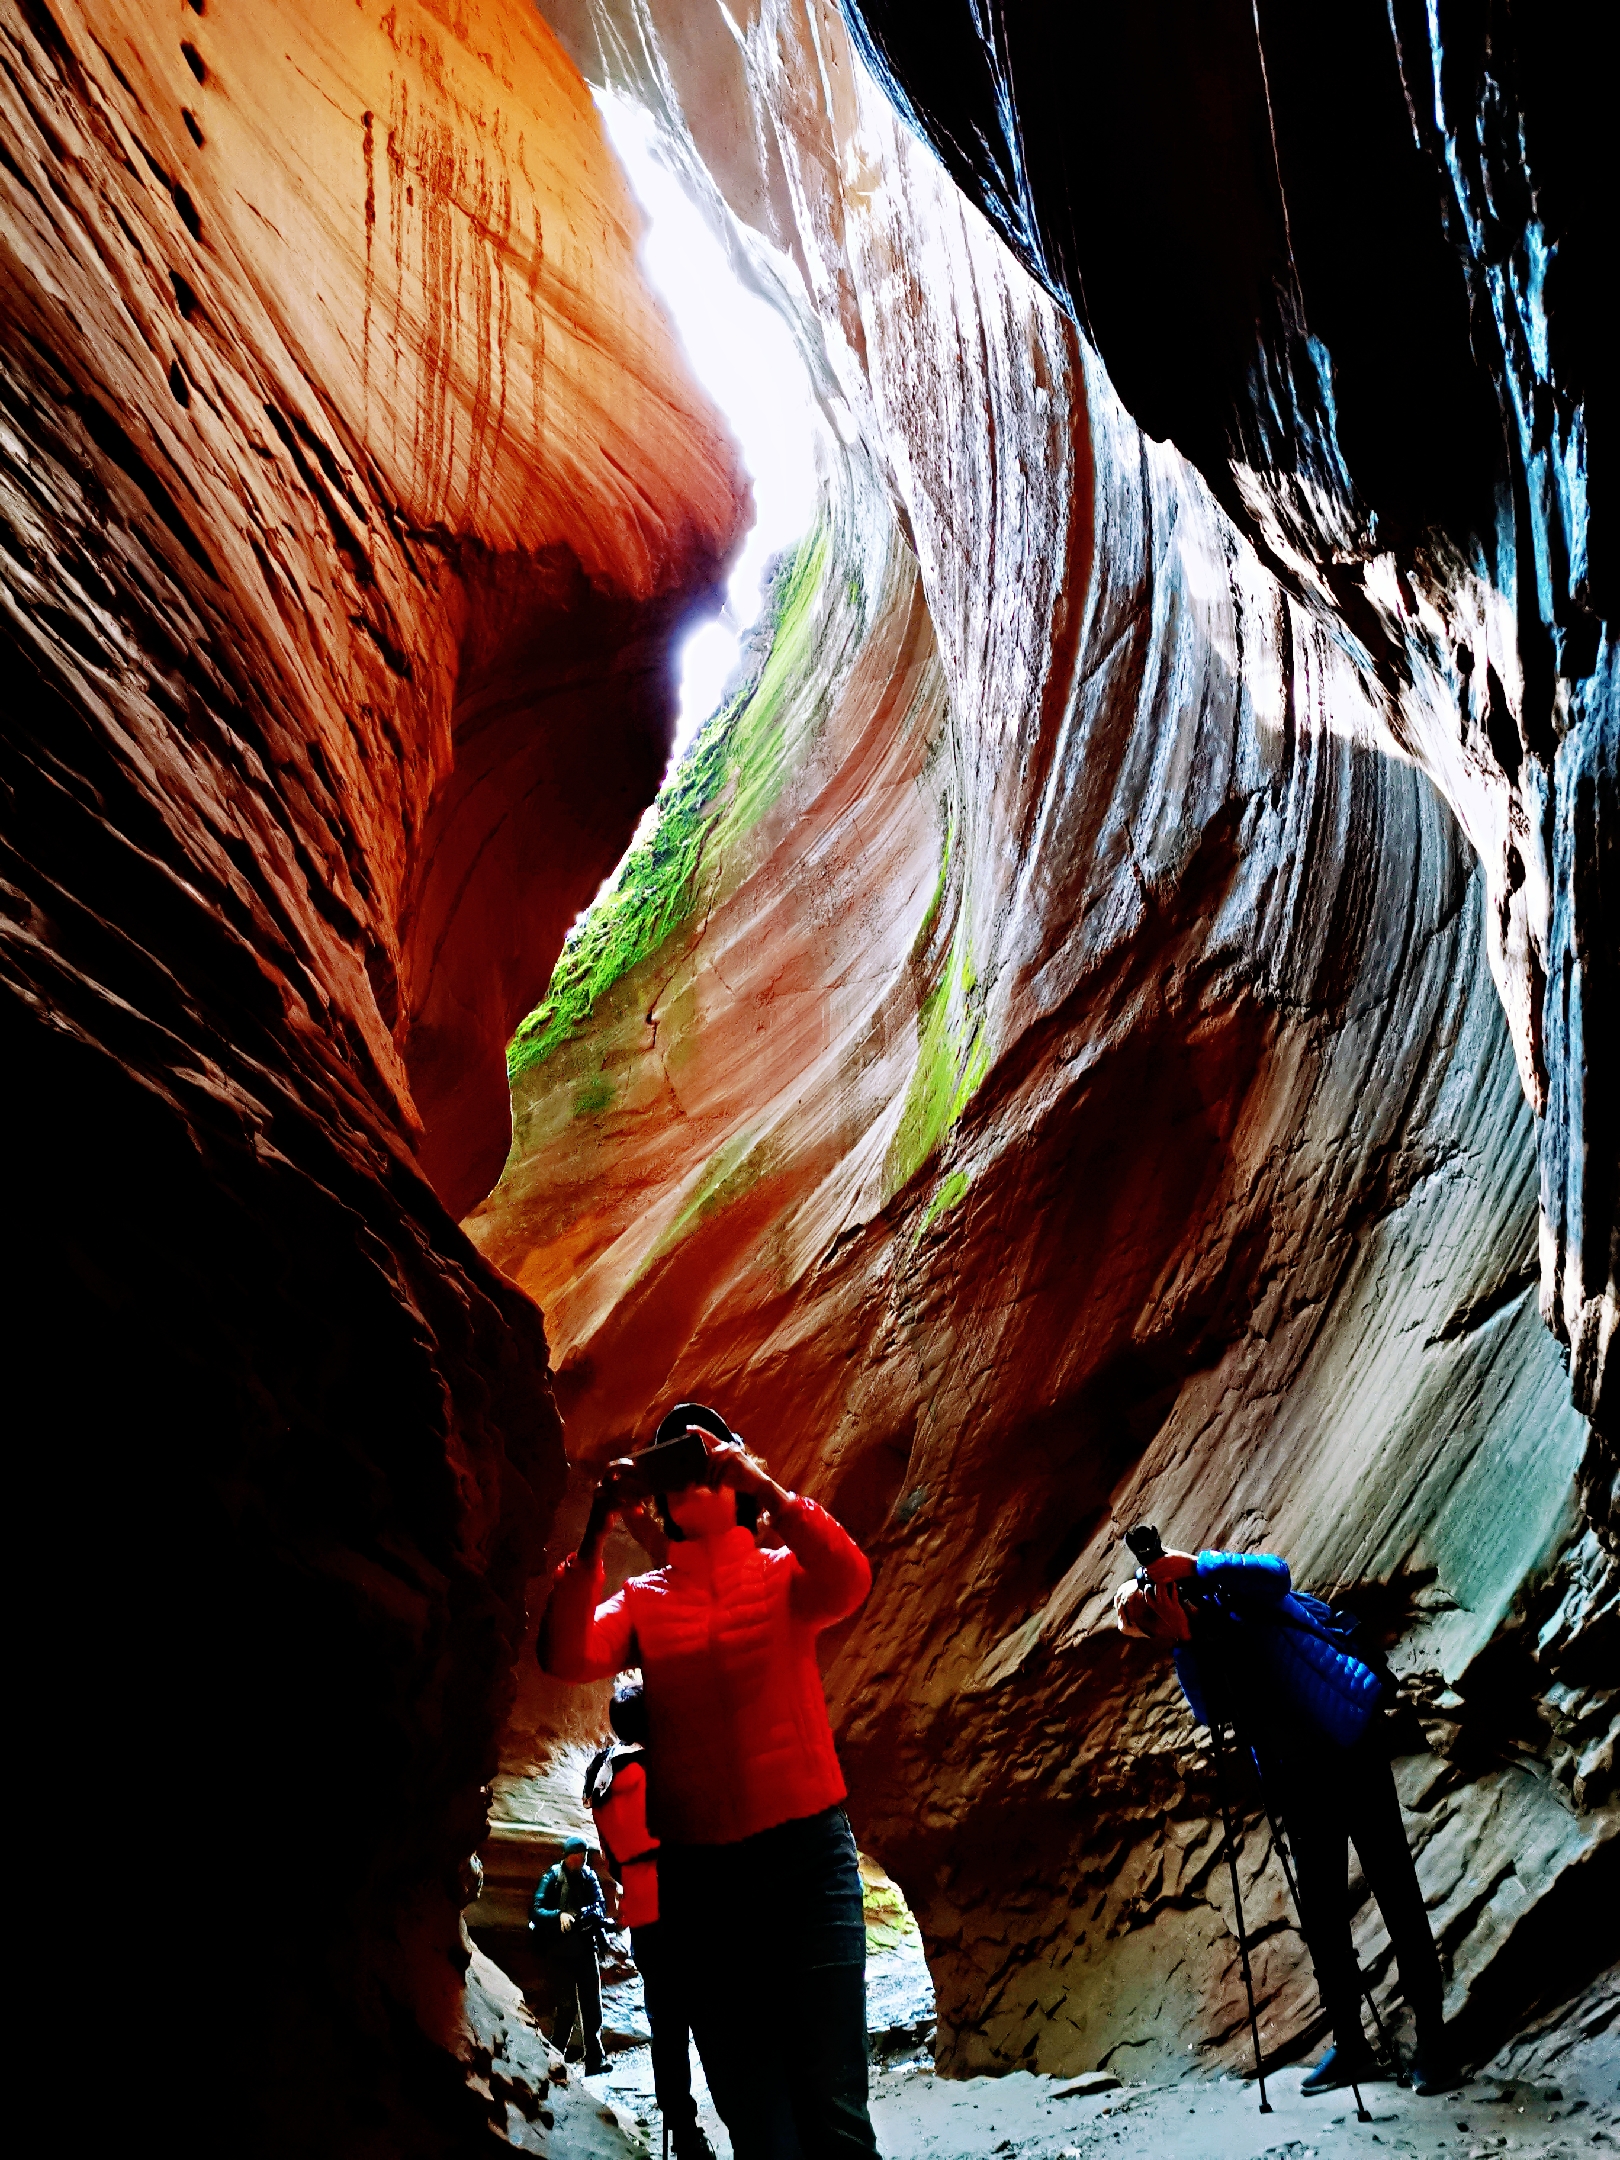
(1164, 1152)
(1372, 324)
(353, 489)
(1042, 1068)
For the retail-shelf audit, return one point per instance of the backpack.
(1330, 1668)
(1343, 1631)
(1300, 1651)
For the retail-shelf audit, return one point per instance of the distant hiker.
(566, 1920)
(747, 1793)
(616, 1794)
(1302, 1693)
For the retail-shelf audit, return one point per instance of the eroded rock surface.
(353, 488)
(1164, 1152)
(1045, 1069)
(1371, 321)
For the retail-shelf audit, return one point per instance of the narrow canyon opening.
(741, 349)
(1006, 873)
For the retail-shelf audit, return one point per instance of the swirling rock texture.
(353, 489)
(1384, 242)
(1109, 1081)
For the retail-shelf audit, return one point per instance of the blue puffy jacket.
(1279, 1666)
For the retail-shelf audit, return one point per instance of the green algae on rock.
(727, 780)
(953, 1056)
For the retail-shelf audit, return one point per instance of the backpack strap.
(599, 1776)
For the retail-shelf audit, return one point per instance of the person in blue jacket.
(1285, 1672)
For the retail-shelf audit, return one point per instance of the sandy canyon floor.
(1551, 2097)
(921, 2117)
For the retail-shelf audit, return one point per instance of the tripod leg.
(1361, 2105)
(1237, 1905)
(1386, 2047)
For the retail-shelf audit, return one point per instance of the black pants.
(1327, 1801)
(780, 2024)
(664, 1992)
(577, 1979)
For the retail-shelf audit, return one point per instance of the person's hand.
(617, 1489)
(1152, 1610)
(565, 1921)
(734, 1466)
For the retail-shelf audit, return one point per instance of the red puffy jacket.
(725, 1637)
(621, 1824)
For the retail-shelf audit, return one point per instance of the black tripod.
(1362, 2114)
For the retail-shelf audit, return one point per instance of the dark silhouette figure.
(565, 1920)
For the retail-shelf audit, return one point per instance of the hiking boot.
(691, 2142)
(1340, 2066)
(1434, 2067)
(595, 2065)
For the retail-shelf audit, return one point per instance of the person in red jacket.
(616, 1793)
(748, 1800)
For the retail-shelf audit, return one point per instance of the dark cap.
(627, 1713)
(686, 1414)
(575, 1844)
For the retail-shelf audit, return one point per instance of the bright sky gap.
(741, 352)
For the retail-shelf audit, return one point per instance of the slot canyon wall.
(1079, 1042)
(353, 490)
(1111, 1022)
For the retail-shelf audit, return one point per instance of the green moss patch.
(946, 1195)
(888, 1917)
(595, 1095)
(919, 944)
(758, 737)
(953, 1057)
(728, 778)
(732, 1170)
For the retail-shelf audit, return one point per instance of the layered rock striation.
(353, 490)
(1157, 1145)
(1077, 1041)
(1372, 323)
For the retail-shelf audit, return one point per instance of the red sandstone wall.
(1226, 1211)
(352, 490)
(356, 287)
